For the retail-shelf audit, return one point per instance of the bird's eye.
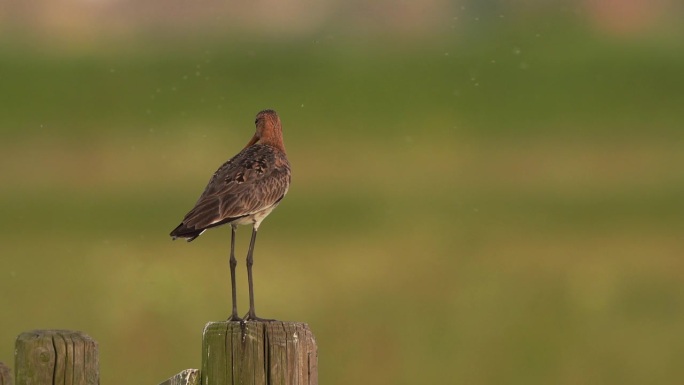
(255, 121)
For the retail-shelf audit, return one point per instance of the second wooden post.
(51, 357)
(259, 353)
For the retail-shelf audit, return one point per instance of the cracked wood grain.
(259, 353)
(50, 357)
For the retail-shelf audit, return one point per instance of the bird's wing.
(251, 181)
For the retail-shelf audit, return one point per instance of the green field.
(503, 208)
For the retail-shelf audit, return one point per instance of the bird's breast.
(255, 218)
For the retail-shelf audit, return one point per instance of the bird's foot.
(234, 318)
(252, 317)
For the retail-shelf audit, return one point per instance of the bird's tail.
(186, 233)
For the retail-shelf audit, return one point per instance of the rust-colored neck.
(269, 130)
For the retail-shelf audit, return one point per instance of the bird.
(243, 191)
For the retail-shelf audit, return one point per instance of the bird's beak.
(252, 141)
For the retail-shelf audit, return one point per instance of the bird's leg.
(251, 315)
(233, 263)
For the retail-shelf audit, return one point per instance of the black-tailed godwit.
(243, 191)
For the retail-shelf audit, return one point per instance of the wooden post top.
(259, 353)
(62, 357)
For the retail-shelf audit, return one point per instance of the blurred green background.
(483, 192)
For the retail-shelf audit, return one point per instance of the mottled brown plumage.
(244, 190)
(247, 187)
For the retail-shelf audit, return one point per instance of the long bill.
(252, 141)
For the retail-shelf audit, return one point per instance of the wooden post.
(186, 377)
(259, 353)
(5, 376)
(51, 357)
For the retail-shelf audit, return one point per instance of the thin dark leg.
(233, 263)
(251, 315)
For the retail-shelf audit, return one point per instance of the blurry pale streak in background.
(70, 19)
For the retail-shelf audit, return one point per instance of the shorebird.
(243, 191)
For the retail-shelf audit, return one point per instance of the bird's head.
(268, 130)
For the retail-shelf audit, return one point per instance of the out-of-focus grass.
(498, 211)
(510, 82)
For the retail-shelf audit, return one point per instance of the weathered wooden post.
(5, 377)
(51, 357)
(186, 377)
(259, 353)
